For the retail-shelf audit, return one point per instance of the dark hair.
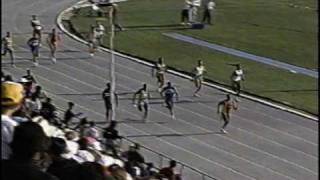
(92, 123)
(92, 171)
(8, 77)
(71, 104)
(28, 139)
(48, 99)
(173, 163)
(85, 171)
(58, 146)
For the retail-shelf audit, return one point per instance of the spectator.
(82, 126)
(33, 106)
(119, 173)
(27, 86)
(49, 111)
(11, 101)
(59, 163)
(8, 78)
(83, 153)
(30, 77)
(111, 135)
(133, 155)
(150, 171)
(168, 172)
(69, 114)
(28, 146)
(39, 94)
(92, 131)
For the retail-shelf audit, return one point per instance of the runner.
(143, 100)
(36, 25)
(160, 68)
(100, 30)
(7, 47)
(107, 100)
(224, 109)
(168, 93)
(236, 78)
(92, 41)
(34, 44)
(198, 77)
(53, 40)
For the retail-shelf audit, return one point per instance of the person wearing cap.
(8, 47)
(143, 100)
(12, 95)
(27, 85)
(224, 109)
(29, 76)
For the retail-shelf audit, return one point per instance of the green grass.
(271, 29)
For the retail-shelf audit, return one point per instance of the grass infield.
(282, 30)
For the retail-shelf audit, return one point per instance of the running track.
(263, 143)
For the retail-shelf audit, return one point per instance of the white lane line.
(144, 133)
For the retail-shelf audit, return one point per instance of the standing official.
(208, 12)
(106, 96)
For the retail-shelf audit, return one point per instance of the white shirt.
(92, 132)
(7, 129)
(200, 70)
(238, 74)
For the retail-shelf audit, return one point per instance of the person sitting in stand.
(69, 114)
(111, 135)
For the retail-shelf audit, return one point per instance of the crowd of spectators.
(39, 143)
